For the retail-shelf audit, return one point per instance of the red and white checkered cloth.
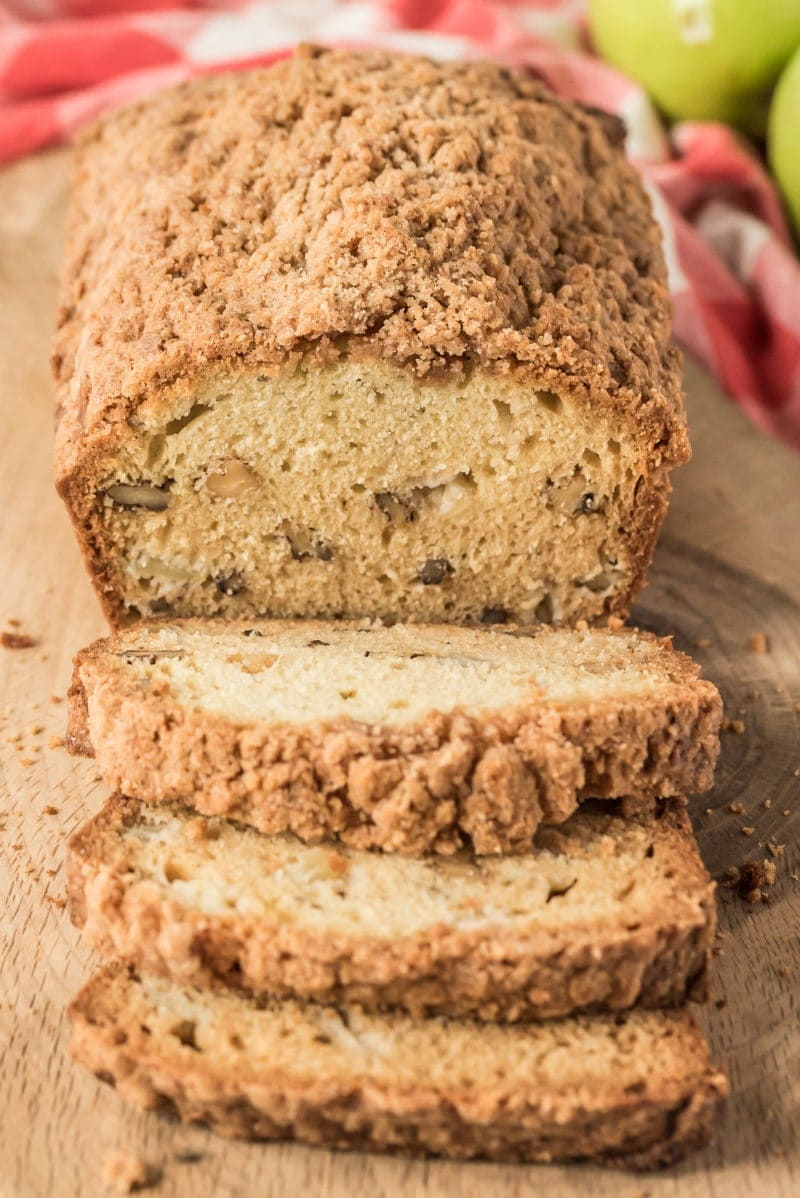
(734, 275)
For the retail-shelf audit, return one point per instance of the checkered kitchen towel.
(734, 275)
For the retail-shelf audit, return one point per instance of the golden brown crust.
(369, 204)
(503, 972)
(660, 1121)
(452, 779)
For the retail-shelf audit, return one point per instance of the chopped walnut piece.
(494, 615)
(133, 495)
(231, 585)
(233, 480)
(395, 508)
(305, 544)
(434, 571)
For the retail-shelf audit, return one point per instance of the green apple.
(783, 137)
(700, 59)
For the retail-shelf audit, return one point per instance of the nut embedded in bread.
(411, 739)
(604, 913)
(364, 335)
(636, 1090)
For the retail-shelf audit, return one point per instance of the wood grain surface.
(728, 566)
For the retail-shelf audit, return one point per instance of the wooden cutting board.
(728, 566)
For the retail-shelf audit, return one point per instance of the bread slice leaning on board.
(605, 912)
(410, 738)
(635, 1089)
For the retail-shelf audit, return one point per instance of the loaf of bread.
(364, 335)
(604, 913)
(411, 738)
(637, 1090)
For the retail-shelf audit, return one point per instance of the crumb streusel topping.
(432, 214)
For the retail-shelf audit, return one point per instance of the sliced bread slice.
(410, 738)
(604, 913)
(637, 1089)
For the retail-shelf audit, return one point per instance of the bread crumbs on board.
(16, 640)
(750, 880)
(126, 1172)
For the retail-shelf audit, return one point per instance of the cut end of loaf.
(354, 489)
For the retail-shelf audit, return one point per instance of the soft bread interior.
(356, 489)
(598, 870)
(292, 1040)
(301, 673)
